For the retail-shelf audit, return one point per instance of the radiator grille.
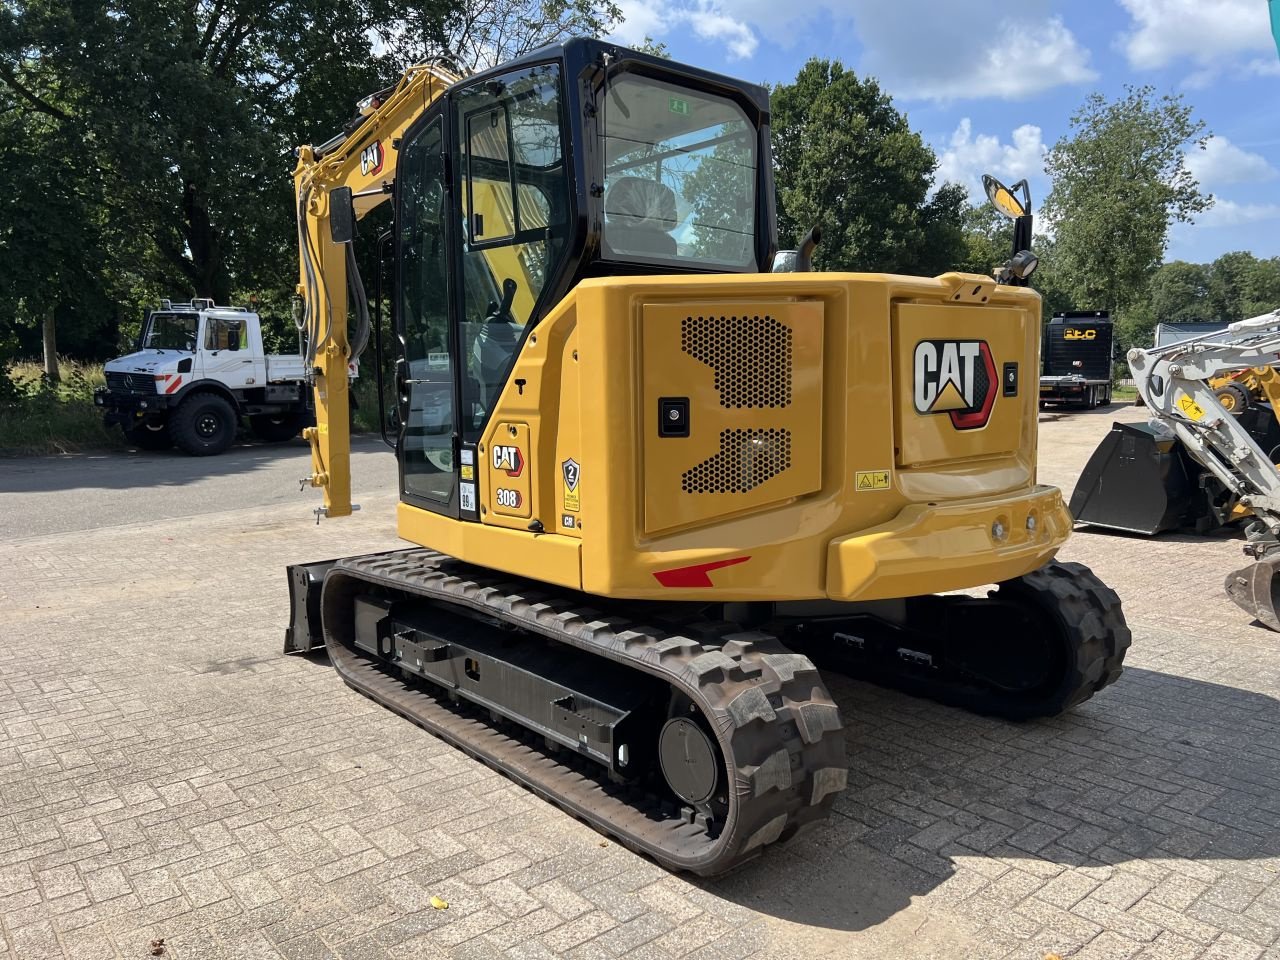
(751, 357)
(136, 383)
(747, 458)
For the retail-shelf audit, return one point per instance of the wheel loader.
(649, 485)
(1198, 464)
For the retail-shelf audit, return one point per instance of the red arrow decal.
(696, 575)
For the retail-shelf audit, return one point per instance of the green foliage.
(37, 417)
(846, 159)
(1135, 325)
(146, 145)
(1235, 286)
(1180, 292)
(988, 239)
(1241, 285)
(1119, 179)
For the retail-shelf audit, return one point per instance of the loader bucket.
(1256, 589)
(1139, 481)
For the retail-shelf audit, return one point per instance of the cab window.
(680, 174)
(221, 333)
(514, 197)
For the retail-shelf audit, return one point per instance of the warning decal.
(871, 480)
(570, 471)
(1190, 407)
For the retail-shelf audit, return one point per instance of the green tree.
(988, 239)
(1119, 179)
(1240, 285)
(846, 159)
(1180, 292)
(150, 141)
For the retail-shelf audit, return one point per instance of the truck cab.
(198, 372)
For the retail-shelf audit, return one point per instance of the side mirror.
(233, 335)
(1005, 200)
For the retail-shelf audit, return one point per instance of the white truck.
(200, 370)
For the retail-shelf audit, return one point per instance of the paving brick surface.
(165, 772)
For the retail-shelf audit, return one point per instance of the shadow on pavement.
(1158, 766)
(130, 469)
(1053, 412)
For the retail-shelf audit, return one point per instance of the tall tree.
(151, 140)
(1240, 285)
(847, 160)
(1180, 292)
(1119, 180)
(988, 239)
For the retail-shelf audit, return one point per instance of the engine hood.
(147, 361)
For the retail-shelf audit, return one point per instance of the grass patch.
(1124, 393)
(43, 418)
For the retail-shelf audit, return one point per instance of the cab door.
(427, 386)
(227, 352)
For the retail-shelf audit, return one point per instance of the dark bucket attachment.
(1260, 420)
(1256, 589)
(1140, 481)
(305, 632)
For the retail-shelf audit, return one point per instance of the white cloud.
(641, 18)
(967, 157)
(1262, 67)
(932, 60)
(917, 48)
(1209, 33)
(1228, 213)
(656, 18)
(1222, 162)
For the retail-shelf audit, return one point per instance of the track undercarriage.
(697, 734)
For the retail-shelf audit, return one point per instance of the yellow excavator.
(648, 484)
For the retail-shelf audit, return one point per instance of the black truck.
(1076, 359)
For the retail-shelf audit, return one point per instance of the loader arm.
(337, 183)
(1174, 382)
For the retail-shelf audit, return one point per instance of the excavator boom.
(336, 184)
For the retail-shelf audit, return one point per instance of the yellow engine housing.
(850, 436)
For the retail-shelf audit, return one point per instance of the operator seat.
(640, 214)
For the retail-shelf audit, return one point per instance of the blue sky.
(990, 84)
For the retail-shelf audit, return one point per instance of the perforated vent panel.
(751, 357)
(747, 458)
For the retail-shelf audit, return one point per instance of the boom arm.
(356, 169)
(1173, 381)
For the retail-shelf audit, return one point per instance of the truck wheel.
(1106, 397)
(149, 436)
(204, 425)
(276, 428)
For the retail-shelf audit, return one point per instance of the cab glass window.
(680, 174)
(515, 200)
(222, 334)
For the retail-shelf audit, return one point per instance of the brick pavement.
(165, 772)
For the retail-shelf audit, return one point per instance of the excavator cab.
(512, 187)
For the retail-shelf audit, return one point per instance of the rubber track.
(777, 726)
(1089, 614)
